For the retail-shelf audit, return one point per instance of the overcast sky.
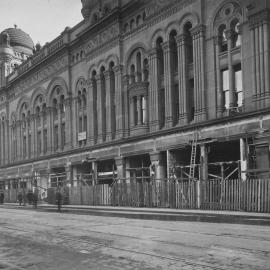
(43, 20)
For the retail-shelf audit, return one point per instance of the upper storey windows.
(228, 58)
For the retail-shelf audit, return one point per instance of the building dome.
(20, 40)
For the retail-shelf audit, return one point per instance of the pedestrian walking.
(2, 197)
(20, 197)
(30, 196)
(58, 198)
(35, 200)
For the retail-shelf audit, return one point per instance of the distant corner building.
(138, 88)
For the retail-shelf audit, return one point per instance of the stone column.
(182, 79)
(266, 61)
(95, 172)
(59, 123)
(42, 124)
(121, 167)
(120, 111)
(50, 124)
(34, 131)
(153, 92)
(139, 109)
(243, 159)
(108, 105)
(1, 143)
(5, 141)
(75, 123)
(131, 113)
(229, 35)
(91, 112)
(204, 162)
(101, 123)
(68, 123)
(168, 85)
(220, 95)
(159, 164)
(27, 138)
(199, 73)
(19, 136)
(126, 109)
(68, 170)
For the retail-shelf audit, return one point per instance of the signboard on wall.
(82, 136)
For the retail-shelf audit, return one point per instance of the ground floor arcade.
(236, 149)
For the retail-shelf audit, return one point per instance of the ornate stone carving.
(102, 38)
(43, 74)
(157, 5)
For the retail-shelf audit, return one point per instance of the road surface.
(38, 239)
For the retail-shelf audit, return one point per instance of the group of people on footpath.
(32, 198)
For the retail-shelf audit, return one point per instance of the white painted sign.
(82, 136)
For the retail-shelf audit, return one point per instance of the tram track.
(69, 242)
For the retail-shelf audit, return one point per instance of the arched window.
(126, 28)
(223, 42)
(173, 50)
(160, 56)
(132, 74)
(132, 24)
(139, 66)
(236, 38)
(95, 18)
(188, 42)
(139, 20)
(145, 70)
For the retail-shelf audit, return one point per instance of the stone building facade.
(131, 86)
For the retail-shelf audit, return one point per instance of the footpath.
(166, 214)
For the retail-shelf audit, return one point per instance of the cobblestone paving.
(39, 240)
